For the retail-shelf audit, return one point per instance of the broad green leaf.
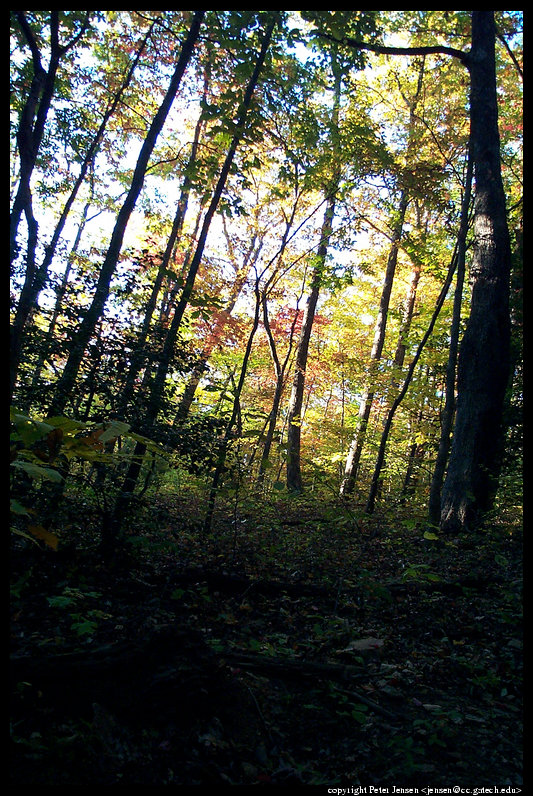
(17, 508)
(38, 471)
(113, 430)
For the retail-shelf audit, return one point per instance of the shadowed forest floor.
(291, 647)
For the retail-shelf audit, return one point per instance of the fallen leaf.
(364, 644)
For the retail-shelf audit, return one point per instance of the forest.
(265, 379)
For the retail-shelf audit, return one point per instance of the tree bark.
(138, 355)
(374, 486)
(221, 458)
(483, 367)
(33, 120)
(241, 273)
(294, 471)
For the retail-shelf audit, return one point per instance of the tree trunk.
(294, 472)
(483, 368)
(280, 368)
(354, 454)
(241, 273)
(356, 448)
(86, 329)
(294, 418)
(374, 486)
(451, 367)
(60, 295)
(36, 278)
(138, 356)
(221, 458)
(34, 115)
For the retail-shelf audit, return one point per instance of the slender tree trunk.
(356, 447)
(294, 420)
(33, 118)
(93, 313)
(416, 453)
(280, 369)
(448, 410)
(399, 356)
(374, 486)
(483, 367)
(241, 273)
(61, 291)
(36, 278)
(294, 417)
(221, 458)
(138, 356)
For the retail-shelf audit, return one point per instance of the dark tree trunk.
(356, 447)
(294, 418)
(221, 458)
(241, 273)
(138, 356)
(375, 484)
(34, 115)
(294, 421)
(483, 368)
(451, 367)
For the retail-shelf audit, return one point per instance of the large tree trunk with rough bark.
(483, 368)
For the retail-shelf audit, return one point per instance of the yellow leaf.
(41, 533)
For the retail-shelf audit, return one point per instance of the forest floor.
(291, 647)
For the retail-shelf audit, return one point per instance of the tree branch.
(385, 50)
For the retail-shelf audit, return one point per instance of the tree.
(294, 419)
(36, 278)
(93, 313)
(133, 273)
(157, 386)
(33, 118)
(448, 412)
(354, 454)
(483, 368)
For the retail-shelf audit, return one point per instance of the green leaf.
(84, 627)
(38, 471)
(60, 601)
(113, 430)
(430, 535)
(358, 713)
(17, 508)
